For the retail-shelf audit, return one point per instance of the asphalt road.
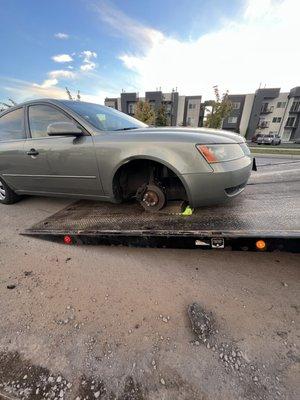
(283, 162)
(96, 322)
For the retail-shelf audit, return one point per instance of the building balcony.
(267, 110)
(263, 125)
(296, 111)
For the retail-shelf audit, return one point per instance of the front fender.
(158, 160)
(181, 158)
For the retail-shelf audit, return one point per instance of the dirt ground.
(92, 322)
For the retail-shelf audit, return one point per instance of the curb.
(289, 156)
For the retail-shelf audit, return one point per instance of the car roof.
(45, 100)
(15, 107)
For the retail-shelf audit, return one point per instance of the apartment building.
(192, 111)
(239, 117)
(290, 127)
(266, 111)
(181, 110)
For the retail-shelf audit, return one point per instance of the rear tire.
(153, 198)
(7, 195)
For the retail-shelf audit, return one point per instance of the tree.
(161, 118)
(144, 112)
(221, 108)
(14, 103)
(78, 97)
(69, 94)
(7, 105)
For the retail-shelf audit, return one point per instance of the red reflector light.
(67, 239)
(261, 245)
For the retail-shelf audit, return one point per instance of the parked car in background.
(270, 138)
(84, 150)
(256, 137)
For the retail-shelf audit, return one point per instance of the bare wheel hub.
(150, 198)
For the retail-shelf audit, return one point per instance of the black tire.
(153, 199)
(7, 195)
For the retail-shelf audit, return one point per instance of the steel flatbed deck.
(268, 209)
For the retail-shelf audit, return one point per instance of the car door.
(12, 139)
(58, 165)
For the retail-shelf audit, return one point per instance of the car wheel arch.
(154, 159)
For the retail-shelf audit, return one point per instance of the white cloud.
(47, 83)
(23, 90)
(260, 46)
(88, 63)
(53, 78)
(61, 35)
(97, 98)
(61, 73)
(121, 23)
(88, 55)
(88, 66)
(62, 58)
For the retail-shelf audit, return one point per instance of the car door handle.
(32, 152)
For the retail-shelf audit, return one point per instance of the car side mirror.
(64, 129)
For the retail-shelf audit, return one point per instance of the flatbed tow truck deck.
(267, 211)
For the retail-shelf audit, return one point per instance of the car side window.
(40, 116)
(12, 125)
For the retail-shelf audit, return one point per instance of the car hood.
(193, 135)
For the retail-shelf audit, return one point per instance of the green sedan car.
(88, 151)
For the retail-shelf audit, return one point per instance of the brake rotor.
(153, 198)
(150, 198)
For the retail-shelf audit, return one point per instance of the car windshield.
(104, 118)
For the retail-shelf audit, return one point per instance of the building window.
(131, 108)
(276, 120)
(168, 108)
(286, 135)
(290, 122)
(152, 104)
(232, 120)
(236, 105)
(192, 106)
(281, 104)
(295, 106)
(190, 121)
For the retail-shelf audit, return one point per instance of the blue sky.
(103, 46)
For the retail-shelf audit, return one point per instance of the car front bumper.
(227, 180)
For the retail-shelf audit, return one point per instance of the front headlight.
(245, 149)
(214, 153)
